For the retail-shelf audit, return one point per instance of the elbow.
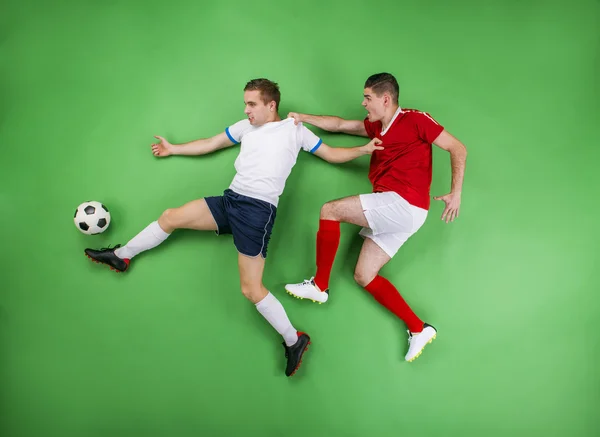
(337, 126)
(459, 149)
(333, 157)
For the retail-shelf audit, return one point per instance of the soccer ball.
(92, 217)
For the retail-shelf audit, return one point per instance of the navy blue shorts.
(249, 220)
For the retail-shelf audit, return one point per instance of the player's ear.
(387, 99)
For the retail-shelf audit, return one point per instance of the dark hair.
(268, 90)
(383, 82)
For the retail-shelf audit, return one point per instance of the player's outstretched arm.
(331, 123)
(458, 159)
(199, 147)
(337, 155)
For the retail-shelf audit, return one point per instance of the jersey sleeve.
(369, 128)
(236, 131)
(308, 140)
(428, 128)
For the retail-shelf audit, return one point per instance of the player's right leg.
(347, 210)
(192, 215)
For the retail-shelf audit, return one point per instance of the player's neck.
(273, 118)
(389, 115)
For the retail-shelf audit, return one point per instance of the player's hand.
(373, 145)
(452, 201)
(297, 117)
(162, 148)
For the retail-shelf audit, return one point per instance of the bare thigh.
(347, 210)
(370, 261)
(192, 215)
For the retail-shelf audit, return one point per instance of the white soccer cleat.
(308, 290)
(417, 342)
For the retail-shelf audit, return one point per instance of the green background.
(171, 348)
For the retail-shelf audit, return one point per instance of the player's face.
(258, 113)
(374, 105)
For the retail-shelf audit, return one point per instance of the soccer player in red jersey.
(401, 176)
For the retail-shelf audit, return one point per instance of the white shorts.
(392, 220)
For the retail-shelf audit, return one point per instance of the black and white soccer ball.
(92, 217)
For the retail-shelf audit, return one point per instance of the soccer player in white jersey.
(247, 209)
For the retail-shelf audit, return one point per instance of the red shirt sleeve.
(429, 129)
(369, 128)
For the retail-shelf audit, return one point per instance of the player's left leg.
(375, 253)
(251, 221)
(392, 221)
(295, 342)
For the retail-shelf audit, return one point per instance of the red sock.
(328, 240)
(386, 294)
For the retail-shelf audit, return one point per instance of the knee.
(363, 277)
(328, 211)
(167, 220)
(252, 292)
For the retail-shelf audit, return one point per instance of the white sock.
(150, 237)
(273, 311)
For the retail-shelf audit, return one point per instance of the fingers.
(374, 145)
(451, 215)
(452, 207)
(294, 116)
(455, 214)
(156, 149)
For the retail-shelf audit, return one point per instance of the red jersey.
(405, 163)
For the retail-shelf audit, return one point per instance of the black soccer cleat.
(294, 353)
(107, 256)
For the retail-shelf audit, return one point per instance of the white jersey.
(267, 155)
